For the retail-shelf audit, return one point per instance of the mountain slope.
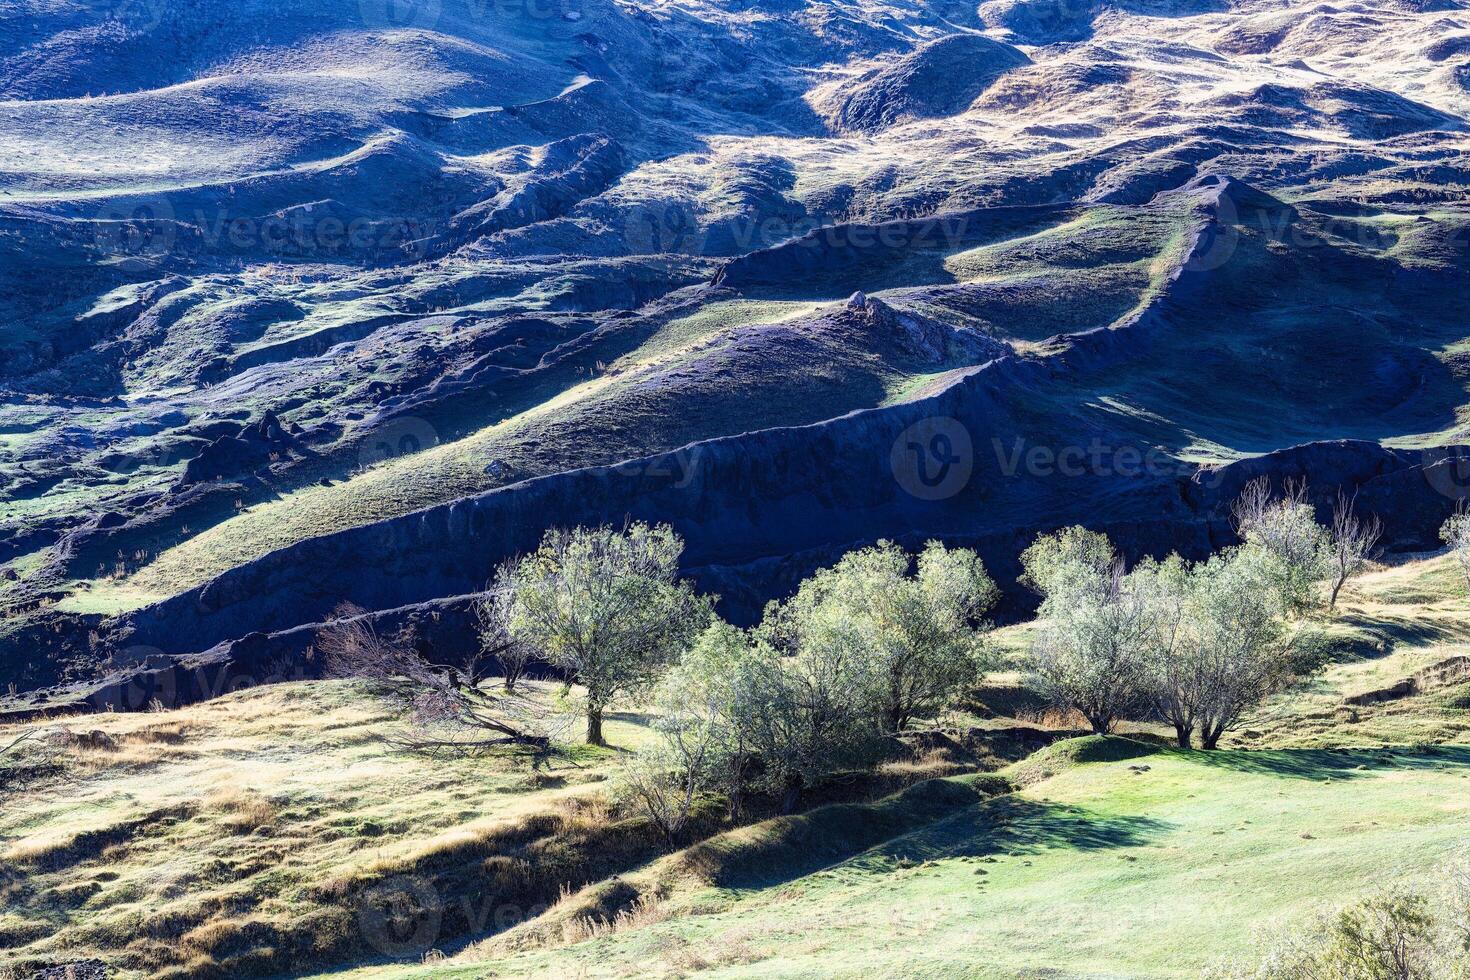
(327, 268)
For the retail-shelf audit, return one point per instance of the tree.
(1353, 543)
(916, 639)
(779, 723)
(1071, 550)
(815, 717)
(732, 681)
(666, 776)
(607, 608)
(1237, 649)
(451, 710)
(1177, 682)
(1090, 655)
(1285, 529)
(497, 643)
(1455, 532)
(1092, 652)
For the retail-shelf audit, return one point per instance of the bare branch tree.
(497, 642)
(451, 711)
(1456, 534)
(1354, 543)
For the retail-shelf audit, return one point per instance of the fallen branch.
(29, 734)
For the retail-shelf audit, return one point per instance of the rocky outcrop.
(230, 456)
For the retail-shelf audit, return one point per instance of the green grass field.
(1101, 870)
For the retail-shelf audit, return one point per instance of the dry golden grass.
(234, 838)
(245, 809)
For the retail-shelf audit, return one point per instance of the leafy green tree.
(911, 637)
(1296, 551)
(1086, 556)
(732, 683)
(607, 607)
(666, 776)
(1176, 680)
(1092, 652)
(1236, 649)
(1456, 534)
(816, 717)
(781, 723)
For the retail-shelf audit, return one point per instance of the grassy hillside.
(1406, 623)
(1104, 869)
(1100, 866)
(175, 841)
(247, 835)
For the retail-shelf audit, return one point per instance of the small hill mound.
(939, 79)
(1232, 201)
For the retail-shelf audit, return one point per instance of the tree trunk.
(594, 727)
(1101, 724)
(1184, 733)
(1209, 738)
(790, 796)
(897, 720)
(1336, 588)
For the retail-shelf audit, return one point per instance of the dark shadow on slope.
(1014, 825)
(931, 820)
(1389, 631)
(1327, 764)
(790, 847)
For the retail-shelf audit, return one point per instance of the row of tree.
(868, 646)
(1195, 645)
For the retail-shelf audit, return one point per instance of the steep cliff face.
(752, 535)
(760, 510)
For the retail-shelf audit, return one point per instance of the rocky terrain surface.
(303, 303)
